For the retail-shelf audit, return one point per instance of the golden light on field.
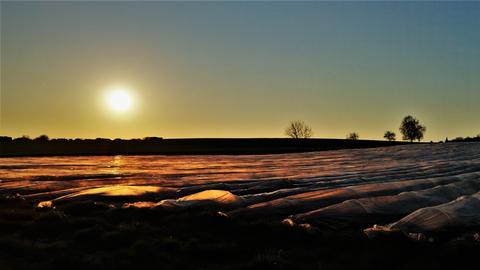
(119, 99)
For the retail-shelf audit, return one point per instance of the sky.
(239, 69)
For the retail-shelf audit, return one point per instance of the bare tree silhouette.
(298, 130)
(390, 135)
(353, 136)
(411, 129)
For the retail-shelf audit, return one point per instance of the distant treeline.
(43, 146)
(466, 139)
(45, 138)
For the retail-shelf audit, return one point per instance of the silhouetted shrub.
(24, 138)
(152, 139)
(42, 138)
(390, 136)
(353, 136)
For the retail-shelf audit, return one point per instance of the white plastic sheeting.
(319, 198)
(108, 191)
(459, 214)
(405, 187)
(371, 208)
(207, 198)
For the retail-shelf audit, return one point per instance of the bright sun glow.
(119, 100)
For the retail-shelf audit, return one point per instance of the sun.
(119, 99)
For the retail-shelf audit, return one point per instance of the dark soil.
(88, 235)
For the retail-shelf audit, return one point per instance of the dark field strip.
(180, 146)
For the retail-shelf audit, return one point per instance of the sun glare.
(119, 100)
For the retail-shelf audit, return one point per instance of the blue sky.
(240, 69)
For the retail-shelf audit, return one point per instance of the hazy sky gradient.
(242, 69)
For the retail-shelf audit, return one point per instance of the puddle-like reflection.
(116, 165)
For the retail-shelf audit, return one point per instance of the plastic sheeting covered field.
(411, 188)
